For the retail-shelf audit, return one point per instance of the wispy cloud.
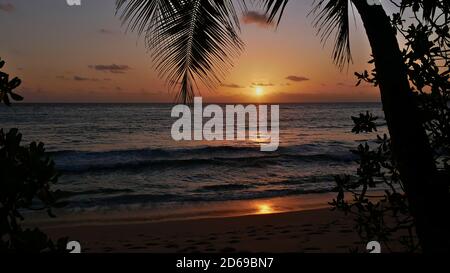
(232, 85)
(7, 7)
(262, 84)
(106, 31)
(297, 78)
(80, 78)
(112, 68)
(259, 19)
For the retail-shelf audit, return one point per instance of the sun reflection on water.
(265, 208)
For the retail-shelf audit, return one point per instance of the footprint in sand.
(315, 233)
(312, 249)
(228, 250)
(201, 243)
(189, 249)
(108, 249)
(172, 246)
(346, 231)
(137, 248)
(343, 247)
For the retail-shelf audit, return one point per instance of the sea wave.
(122, 160)
(102, 201)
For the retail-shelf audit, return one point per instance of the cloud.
(7, 7)
(262, 84)
(259, 19)
(232, 85)
(297, 78)
(81, 79)
(113, 68)
(106, 31)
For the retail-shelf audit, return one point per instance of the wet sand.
(311, 231)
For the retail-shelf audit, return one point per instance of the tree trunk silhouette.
(428, 195)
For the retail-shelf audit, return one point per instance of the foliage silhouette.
(7, 87)
(379, 217)
(26, 177)
(190, 40)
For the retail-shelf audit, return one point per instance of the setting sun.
(259, 91)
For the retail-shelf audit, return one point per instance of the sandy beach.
(310, 231)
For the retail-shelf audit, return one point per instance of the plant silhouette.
(7, 87)
(380, 218)
(26, 177)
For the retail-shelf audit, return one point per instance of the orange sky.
(81, 54)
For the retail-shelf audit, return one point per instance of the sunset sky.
(82, 54)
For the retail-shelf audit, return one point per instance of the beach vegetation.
(27, 175)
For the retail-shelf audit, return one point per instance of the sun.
(259, 91)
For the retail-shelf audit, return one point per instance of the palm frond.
(275, 9)
(191, 41)
(144, 16)
(332, 17)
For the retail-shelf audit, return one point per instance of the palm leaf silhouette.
(193, 40)
(189, 40)
(332, 18)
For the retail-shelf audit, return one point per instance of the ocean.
(122, 155)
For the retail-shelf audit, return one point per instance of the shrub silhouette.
(7, 86)
(26, 177)
(427, 58)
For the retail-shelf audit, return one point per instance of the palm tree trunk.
(428, 197)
